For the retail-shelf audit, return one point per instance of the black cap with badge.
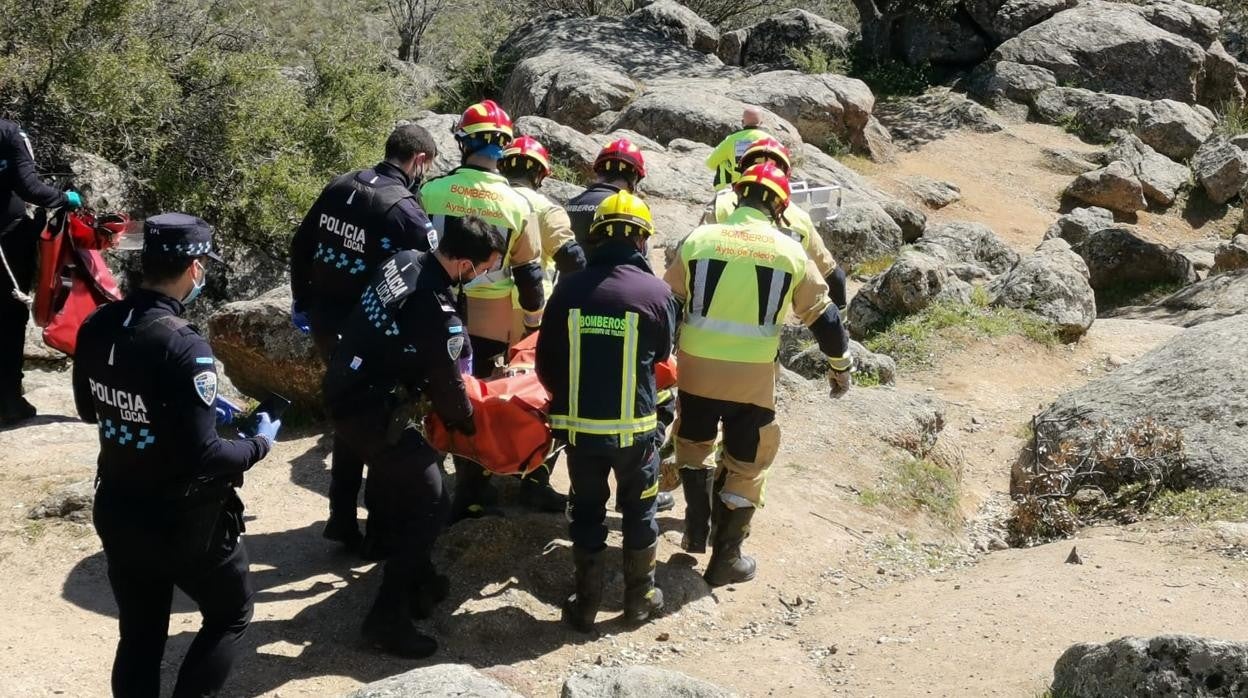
(178, 235)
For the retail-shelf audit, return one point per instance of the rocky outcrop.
(934, 193)
(1231, 255)
(1006, 83)
(566, 145)
(769, 41)
(104, 185)
(638, 682)
(968, 243)
(1101, 46)
(1174, 129)
(913, 282)
(1221, 168)
(1006, 19)
(1160, 177)
(933, 115)
(1119, 260)
(436, 680)
(1157, 667)
(862, 231)
(72, 502)
(1192, 384)
(1090, 114)
(263, 352)
(1216, 298)
(678, 23)
(694, 110)
(1115, 187)
(1075, 227)
(1052, 283)
(951, 39)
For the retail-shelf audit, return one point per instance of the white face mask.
(199, 284)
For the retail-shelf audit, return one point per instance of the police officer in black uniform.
(360, 219)
(165, 506)
(403, 341)
(19, 185)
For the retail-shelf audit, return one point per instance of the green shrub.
(1233, 119)
(813, 60)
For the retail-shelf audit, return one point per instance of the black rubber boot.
(582, 607)
(388, 627)
(642, 599)
(428, 592)
(728, 565)
(697, 486)
(537, 494)
(343, 529)
(15, 409)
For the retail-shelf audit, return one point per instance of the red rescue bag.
(73, 279)
(512, 436)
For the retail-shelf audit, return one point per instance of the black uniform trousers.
(18, 241)
(154, 544)
(636, 471)
(470, 477)
(346, 469)
(405, 493)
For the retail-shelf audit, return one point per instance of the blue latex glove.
(73, 200)
(227, 411)
(299, 319)
(267, 428)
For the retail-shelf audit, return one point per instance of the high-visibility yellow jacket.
(553, 226)
(799, 226)
(723, 160)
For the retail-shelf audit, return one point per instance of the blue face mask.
(197, 289)
(492, 151)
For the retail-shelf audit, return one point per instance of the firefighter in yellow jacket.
(796, 222)
(476, 188)
(736, 281)
(526, 164)
(723, 159)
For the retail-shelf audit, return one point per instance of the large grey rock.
(438, 680)
(1221, 168)
(1174, 129)
(933, 115)
(968, 243)
(263, 352)
(1193, 383)
(1101, 46)
(824, 109)
(1223, 81)
(1216, 298)
(1069, 162)
(935, 193)
(800, 353)
(1201, 253)
(678, 173)
(913, 282)
(72, 502)
(1166, 665)
(564, 72)
(1119, 259)
(769, 41)
(638, 682)
(1232, 255)
(1160, 177)
(1089, 114)
(862, 231)
(678, 23)
(566, 145)
(943, 40)
(911, 220)
(1076, 226)
(730, 46)
(694, 110)
(104, 185)
(1052, 283)
(1010, 81)
(1189, 20)
(1006, 19)
(1115, 187)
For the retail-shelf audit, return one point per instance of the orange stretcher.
(73, 279)
(513, 434)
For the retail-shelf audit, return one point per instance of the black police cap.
(178, 235)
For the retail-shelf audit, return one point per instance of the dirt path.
(850, 600)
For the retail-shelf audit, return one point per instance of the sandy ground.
(849, 600)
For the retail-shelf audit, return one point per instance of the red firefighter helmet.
(771, 178)
(523, 152)
(621, 155)
(767, 148)
(485, 120)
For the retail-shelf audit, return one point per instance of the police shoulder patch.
(206, 386)
(454, 346)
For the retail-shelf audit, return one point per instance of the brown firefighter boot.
(730, 529)
(642, 599)
(697, 486)
(582, 607)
